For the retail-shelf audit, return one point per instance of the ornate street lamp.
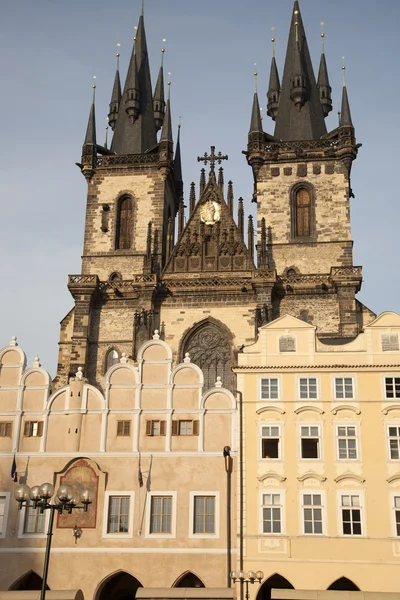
(250, 577)
(67, 499)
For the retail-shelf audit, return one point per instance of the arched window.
(124, 224)
(303, 210)
(344, 585)
(112, 359)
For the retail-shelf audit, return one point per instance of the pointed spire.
(159, 96)
(132, 98)
(90, 137)
(325, 90)
(241, 217)
(192, 197)
(181, 217)
(202, 181)
(230, 197)
(250, 237)
(221, 179)
(256, 122)
(345, 116)
(115, 96)
(274, 89)
(300, 115)
(166, 134)
(178, 158)
(148, 249)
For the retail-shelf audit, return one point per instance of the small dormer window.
(112, 358)
(287, 343)
(390, 342)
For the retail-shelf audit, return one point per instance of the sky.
(49, 52)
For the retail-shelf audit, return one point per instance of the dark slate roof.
(178, 158)
(137, 137)
(309, 122)
(323, 77)
(345, 116)
(159, 91)
(166, 134)
(274, 82)
(116, 92)
(256, 122)
(90, 137)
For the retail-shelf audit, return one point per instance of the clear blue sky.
(49, 52)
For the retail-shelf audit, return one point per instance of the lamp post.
(67, 499)
(246, 578)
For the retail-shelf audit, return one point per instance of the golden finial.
(273, 42)
(344, 72)
(296, 12)
(118, 55)
(255, 79)
(169, 85)
(261, 114)
(163, 52)
(323, 37)
(180, 122)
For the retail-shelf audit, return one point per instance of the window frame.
(162, 493)
(361, 495)
(395, 424)
(314, 492)
(40, 428)
(394, 495)
(320, 445)
(279, 387)
(124, 422)
(263, 424)
(117, 233)
(307, 378)
(294, 237)
(176, 428)
(3, 528)
(206, 493)
(10, 427)
(356, 437)
(21, 525)
(353, 384)
(385, 397)
(282, 506)
(150, 428)
(106, 508)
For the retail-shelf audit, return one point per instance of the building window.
(303, 213)
(344, 388)
(204, 514)
(392, 387)
(390, 342)
(124, 224)
(156, 428)
(394, 443)
(4, 505)
(287, 343)
(347, 442)
(312, 514)
(112, 359)
(123, 428)
(33, 428)
(270, 441)
(118, 514)
(271, 513)
(34, 520)
(269, 389)
(185, 427)
(310, 442)
(351, 515)
(308, 388)
(396, 508)
(5, 431)
(161, 514)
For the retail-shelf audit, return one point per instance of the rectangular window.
(34, 520)
(2, 512)
(344, 387)
(118, 514)
(160, 514)
(394, 443)
(269, 389)
(351, 515)
(123, 428)
(308, 388)
(312, 513)
(185, 427)
(310, 442)
(271, 513)
(5, 430)
(390, 343)
(392, 387)
(270, 441)
(396, 508)
(347, 442)
(156, 428)
(204, 514)
(33, 428)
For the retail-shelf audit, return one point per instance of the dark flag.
(14, 474)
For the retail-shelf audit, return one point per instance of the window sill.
(117, 536)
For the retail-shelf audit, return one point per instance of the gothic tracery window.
(210, 349)
(124, 224)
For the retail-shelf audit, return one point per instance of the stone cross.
(212, 158)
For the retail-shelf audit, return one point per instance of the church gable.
(211, 240)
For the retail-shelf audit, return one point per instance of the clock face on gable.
(210, 212)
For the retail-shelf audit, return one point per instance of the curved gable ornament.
(314, 409)
(349, 475)
(271, 475)
(276, 409)
(343, 407)
(311, 475)
(390, 408)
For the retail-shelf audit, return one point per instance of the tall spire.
(300, 115)
(166, 134)
(135, 129)
(325, 90)
(178, 158)
(159, 96)
(345, 115)
(274, 89)
(90, 138)
(115, 96)
(256, 122)
(89, 149)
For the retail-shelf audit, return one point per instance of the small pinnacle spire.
(241, 217)
(192, 197)
(230, 197)
(274, 89)
(90, 137)
(181, 217)
(166, 134)
(221, 179)
(159, 96)
(106, 135)
(250, 237)
(256, 122)
(255, 79)
(345, 116)
(178, 157)
(116, 95)
(325, 90)
(202, 181)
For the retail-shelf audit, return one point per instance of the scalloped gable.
(386, 319)
(287, 322)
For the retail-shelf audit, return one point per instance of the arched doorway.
(344, 585)
(276, 581)
(189, 580)
(30, 581)
(120, 586)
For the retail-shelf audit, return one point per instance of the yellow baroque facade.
(321, 457)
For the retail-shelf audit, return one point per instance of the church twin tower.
(207, 284)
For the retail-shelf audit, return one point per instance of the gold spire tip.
(94, 82)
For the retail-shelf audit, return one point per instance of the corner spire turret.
(256, 122)
(325, 90)
(90, 137)
(115, 96)
(345, 115)
(89, 149)
(166, 134)
(274, 89)
(300, 115)
(159, 96)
